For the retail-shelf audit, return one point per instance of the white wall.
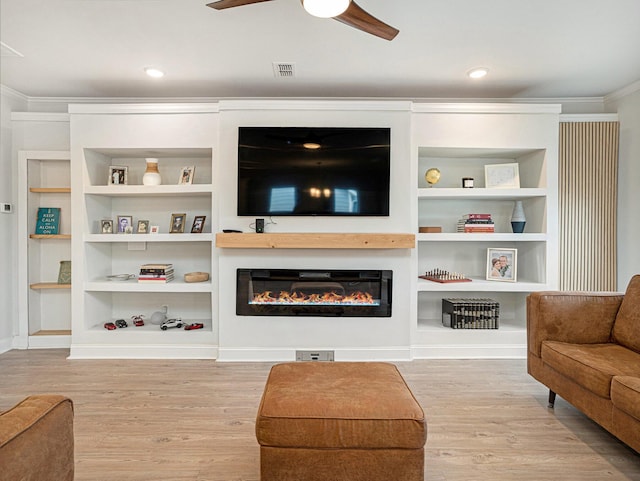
(9, 101)
(628, 109)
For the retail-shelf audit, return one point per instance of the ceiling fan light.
(325, 8)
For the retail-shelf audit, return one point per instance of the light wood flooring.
(155, 420)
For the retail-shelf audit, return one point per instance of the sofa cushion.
(625, 395)
(339, 405)
(626, 329)
(593, 366)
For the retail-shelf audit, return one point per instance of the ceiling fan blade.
(222, 4)
(356, 17)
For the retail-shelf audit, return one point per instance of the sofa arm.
(577, 317)
(36, 439)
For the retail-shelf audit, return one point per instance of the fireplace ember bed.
(288, 292)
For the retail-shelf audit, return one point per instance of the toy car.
(195, 325)
(121, 323)
(171, 323)
(137, 320)
(109, 325)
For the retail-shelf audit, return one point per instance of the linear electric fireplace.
(288, 292)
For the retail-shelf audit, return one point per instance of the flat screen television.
(307, 171)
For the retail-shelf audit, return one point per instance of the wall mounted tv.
(323, 171)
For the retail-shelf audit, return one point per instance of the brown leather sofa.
(36, 440)
(586, 348)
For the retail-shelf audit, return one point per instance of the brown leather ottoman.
(339, 421)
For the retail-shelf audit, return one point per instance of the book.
(155, 271)
(156, 266)
(48, 221)
(476, 216)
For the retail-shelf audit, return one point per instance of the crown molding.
(567, 118)
(9, 92)
(317, 104)
(487, 108)
(144, 108)
(623, 92)
(40, 116)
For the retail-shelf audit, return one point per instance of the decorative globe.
(432, 176)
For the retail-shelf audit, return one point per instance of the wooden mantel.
(315, 241)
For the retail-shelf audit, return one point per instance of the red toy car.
(109, 325)
(195, 325)
(137, 320)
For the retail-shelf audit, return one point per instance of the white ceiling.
(533, 48)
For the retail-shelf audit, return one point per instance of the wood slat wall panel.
(588, 173)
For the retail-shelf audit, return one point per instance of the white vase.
(151, 175)
(518, 220)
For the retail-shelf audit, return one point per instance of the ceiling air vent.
(284, 70)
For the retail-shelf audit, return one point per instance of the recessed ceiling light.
(478, 72)
(154, 72)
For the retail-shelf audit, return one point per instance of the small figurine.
(192, 326)
(171, 323)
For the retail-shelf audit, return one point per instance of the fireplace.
(288, 292)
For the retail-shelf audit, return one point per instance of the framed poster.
(502, 176)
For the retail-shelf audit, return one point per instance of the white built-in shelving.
(45, 313)
(448, 141)
(178, 139)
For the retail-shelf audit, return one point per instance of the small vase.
(151, 175)
(518, 220)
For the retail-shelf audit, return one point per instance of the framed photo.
(186, 175)
(143, 227)
(502, 176)
(106, 226)
(177, 223)
(118, 175)
(154, 229)
(502, 264)
(198, 224)
(125, 224)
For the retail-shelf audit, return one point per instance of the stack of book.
(475, 223)
(156, 273)
(470, 313)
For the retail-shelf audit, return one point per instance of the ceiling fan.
(345, 11)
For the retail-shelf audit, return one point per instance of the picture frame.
(118, 175)
(125, 224)
(502, 264)
(198, 224)
(502, 176)
(177, 223)
(143, 227)
(154, 229)
(106, 226)
(186, 175)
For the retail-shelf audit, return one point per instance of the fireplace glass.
(288, 292)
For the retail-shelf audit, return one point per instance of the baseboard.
(289, 354)
(486, 351)
(6, 344)
(115, 351)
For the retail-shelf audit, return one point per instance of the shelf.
(205, 237)
(149, 190)
(315, 241)
(480, 193)
(50, 236)
(486, 237)
(50, 190)
(135, 286)
(480, 285)
(49, 285)
(51, 332)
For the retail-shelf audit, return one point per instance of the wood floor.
(194, 420)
